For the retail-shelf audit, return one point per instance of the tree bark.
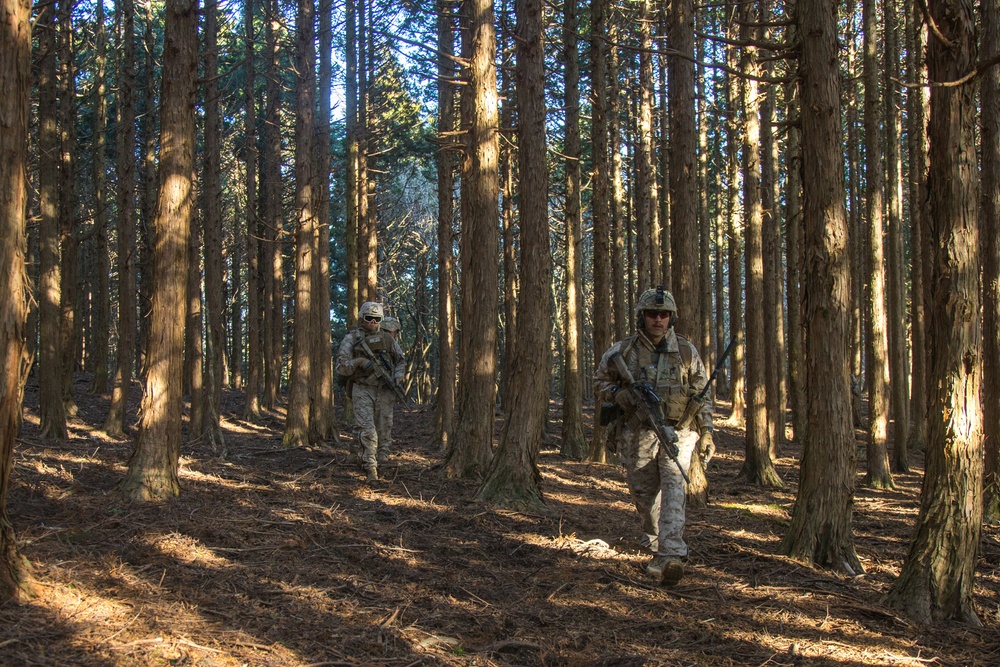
(102, 290)
(574, 445)
(445, 405)
(69, 240)
(15, 80)
(51, 409)
(472, 447)
(251, 401)
(936, 582)
(152, 470)
(114, 424)
(990, 188)
(734, 228)
(877, 358)
(214, 259)
(272, 223)
(297, 423)
(513, 478)
(758, 467)
(820, 530)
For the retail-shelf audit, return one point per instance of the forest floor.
(284, 558)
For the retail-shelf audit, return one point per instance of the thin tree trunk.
(15, 81)
(214, 260)
(877, 361)
(513, 478)
(326, 423)
(602, 315)
(737, 417)
(152, 470)
(936, 582)
(194, 357)
(471, 450)
(990, 175)
(445, 406)
(758, 466)
(251, 402)
(51, 408)
(271, 195)
(351, 222)
(102, 291)
(69, 242)
(795, 276)
(619, 234)
(899, 372)
(820, 530)
(645, 173)
(297, 424)
(683, 175)
(144, 238)
(574, 445)
(114, 424)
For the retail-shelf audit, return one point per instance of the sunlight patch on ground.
(773, 512)
(186, 549)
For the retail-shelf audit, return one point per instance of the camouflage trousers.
(372, 423)
(658, 489)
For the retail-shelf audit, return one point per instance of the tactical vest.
(668, 372)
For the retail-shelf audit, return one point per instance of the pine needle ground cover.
(282, 557)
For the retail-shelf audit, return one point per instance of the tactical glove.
(361, 363)
(706, 446)
(625, 399)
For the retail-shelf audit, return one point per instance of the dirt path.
(277, 557)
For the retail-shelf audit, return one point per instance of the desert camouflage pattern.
(655, 482)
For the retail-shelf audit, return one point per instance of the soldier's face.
(656, 324)
(370, 323)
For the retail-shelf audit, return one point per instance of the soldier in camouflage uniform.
(671, 364)
(372, 399)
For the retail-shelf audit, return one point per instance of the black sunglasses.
(372, 318)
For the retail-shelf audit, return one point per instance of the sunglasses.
(372, 318)
(657, 314)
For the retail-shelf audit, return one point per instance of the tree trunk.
(69, 241)
(990, 142)
(471, 450)
(326, 424)
(297, 424)
(15, 81)
(51, 409)
(152, 470)
(194, 358)
(758, 467)
(936, 582)
(622, 312)
(877, 361)
(574, 445)
(445, 406)
(602, 315)
(508, 222)
(214, 259)
(251, 401)
(683, 175)
(645, 174)
(114, 424)
(272, 223)
(916, 138)
(144, 237)
(351, 222)
(513, 478)
(820, 529)
(734, 228)
(795, 276)
(102, 290)
(899, 373)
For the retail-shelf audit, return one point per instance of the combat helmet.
(371, 309)
(390, 324)
(655, 299)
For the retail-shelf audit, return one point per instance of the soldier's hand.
(362, 364)
(706, 446)
(625, 399)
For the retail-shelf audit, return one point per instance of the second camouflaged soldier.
(672, 366)
(371, 397)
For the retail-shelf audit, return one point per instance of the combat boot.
(666, 570)
(371, 476)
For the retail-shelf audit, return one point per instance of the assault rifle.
(383, 370)
(649, 411)
(696, 402)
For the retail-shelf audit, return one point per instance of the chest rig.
(667, 370)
